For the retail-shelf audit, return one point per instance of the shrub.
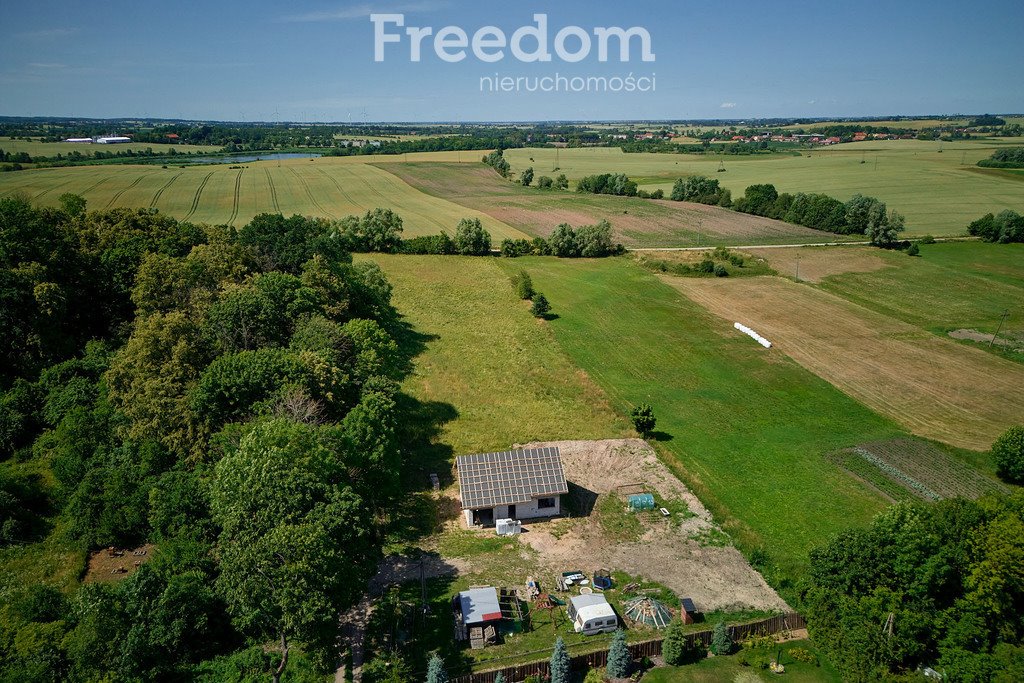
(913, 250)
(435, 671)
(523, 284)
(471, 239)
(560, 672)
(540, 307)
(526, 177)
(706, 266)
(619, 661)
(721, 643)
(1008, 453)
(927, 239)
(545, 182)
(643, 419)
(720, 270)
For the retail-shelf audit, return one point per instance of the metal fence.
(647, 648)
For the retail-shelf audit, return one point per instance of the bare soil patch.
(814, 264)
(932, 386)
(107, 566)
(671, 552)
(1008, 341)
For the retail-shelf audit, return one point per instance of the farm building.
(519, 484)
(113, 139)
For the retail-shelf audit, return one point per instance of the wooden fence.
(647, 648)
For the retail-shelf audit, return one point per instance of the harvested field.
(813, 264)
(636, 222)
(106, 566)
(934, 387)
(677, 555)
(920, 468)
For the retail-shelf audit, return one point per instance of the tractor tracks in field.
(273, 190)
(160, 192)
(199, 193)
(337, 184)
(309, 193)
(117, 195)
(234, 206)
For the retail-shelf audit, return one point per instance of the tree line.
(229, 396)
(1008, 157)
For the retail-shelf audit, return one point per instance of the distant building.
(519, 484)
(112, 139)
(85, 140)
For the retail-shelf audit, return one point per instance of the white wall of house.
(531, 509)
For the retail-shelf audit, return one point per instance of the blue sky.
(314, 60)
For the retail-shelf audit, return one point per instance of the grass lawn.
(716, 669)
(748, 430)
(398, 622)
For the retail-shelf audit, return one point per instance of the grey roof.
(479, 605)
(510, 477)
(581, 601)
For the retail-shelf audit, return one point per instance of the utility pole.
(700, 224)
(1002, 320)
(798, 266)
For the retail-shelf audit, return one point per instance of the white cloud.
(365, 10)
(728, 105)
(50, 33)
(47, 65)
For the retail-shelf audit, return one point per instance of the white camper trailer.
(591, 614)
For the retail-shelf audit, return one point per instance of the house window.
(543, 503)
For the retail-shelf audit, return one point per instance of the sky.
(313, 60)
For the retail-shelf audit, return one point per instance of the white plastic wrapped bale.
(753, 335)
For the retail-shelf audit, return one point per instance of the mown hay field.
(962, 286)
(635, 222)
(327, 187)
(936, 185)
(934, 387)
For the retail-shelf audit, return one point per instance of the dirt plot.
(813, 264)
(932, 386)
(105, 566)
(673, 553)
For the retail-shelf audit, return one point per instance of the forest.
(228, 396)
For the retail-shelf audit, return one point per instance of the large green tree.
(295, 544)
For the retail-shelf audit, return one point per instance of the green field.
(490, 367)
(949, 287)
(328, 187)
(940, 192)
(746, 429)
(52, 149)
